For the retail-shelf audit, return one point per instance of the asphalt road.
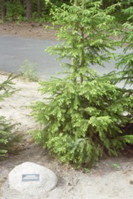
(14, 51)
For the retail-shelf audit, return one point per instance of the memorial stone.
(31, 178)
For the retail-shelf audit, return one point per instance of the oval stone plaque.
(31, 178)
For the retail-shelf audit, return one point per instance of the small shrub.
(8, 138)
(6, 87)
(29, 71)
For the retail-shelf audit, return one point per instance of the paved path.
(14, 51)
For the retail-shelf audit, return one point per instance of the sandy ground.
(111, 178)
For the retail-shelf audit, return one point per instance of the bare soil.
(111, 178)
(29, 30)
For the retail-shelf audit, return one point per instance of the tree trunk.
(39, 2)
(3, 9)
(22, 2)
(28, 9)
(76, 2)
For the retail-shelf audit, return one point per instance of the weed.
(28, 71)
(115, 166)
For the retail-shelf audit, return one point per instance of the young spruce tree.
(83, 115)
(125, 62)
(8, 138)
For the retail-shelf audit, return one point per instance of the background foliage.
(39, 10)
